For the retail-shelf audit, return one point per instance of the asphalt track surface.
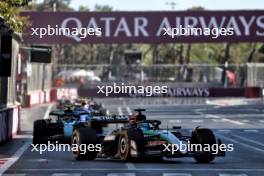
(240, 123)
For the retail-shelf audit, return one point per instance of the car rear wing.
(111, 119)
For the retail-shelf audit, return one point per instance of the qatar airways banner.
(252, 92)
(144, 27)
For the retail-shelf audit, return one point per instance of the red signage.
(145, 27)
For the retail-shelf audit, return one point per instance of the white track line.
(243, 144)
(121, 174)
(245, 121)
(14, 174)
(217, 120)
(129, 110)
(140, 169)
(119, 110)
(223, 131)
(212, 116)
(249, 140)
(251, 131)
(197, 121)
(176, 174)
(130, 166)
(175, 121)
(232, 115)
(66, 174)
(21, 150)
(14, 158)
(233, 121)
(232, 174)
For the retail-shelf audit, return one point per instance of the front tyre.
(204, 137)
(39, 132)
(81, 139)
(131, 143)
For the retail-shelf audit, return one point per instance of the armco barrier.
(9, 122)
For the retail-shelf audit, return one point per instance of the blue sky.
(129, 5)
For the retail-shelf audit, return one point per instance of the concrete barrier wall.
(249, 92)
(39, 97)
(9, 122)
(48, 96)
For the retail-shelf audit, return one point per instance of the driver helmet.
(140, 117)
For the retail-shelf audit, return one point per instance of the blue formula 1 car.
(59, 126)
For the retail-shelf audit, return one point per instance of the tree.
(84, 9)
(103, 8)
(9, 11)
(51, 5)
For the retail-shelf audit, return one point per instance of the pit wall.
(9, 122)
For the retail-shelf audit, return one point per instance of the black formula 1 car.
(139, 137)
(95, 108)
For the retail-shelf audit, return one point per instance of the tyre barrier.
(9, 122)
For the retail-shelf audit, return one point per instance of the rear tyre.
(203, 136)
(81, 139)
(131, 143)
(39, 132)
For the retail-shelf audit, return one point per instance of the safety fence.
(255, 74)
(210, 75)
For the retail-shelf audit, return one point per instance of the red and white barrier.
(47, 96)
(33, 98)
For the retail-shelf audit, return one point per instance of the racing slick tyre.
(84, 136)
(131, 142)
(203, 136)
(39, 132)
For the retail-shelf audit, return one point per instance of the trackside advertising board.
(145, 27)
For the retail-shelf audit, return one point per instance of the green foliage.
(103, 8)
(84, 9)
(51, 5)
(9, 11)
